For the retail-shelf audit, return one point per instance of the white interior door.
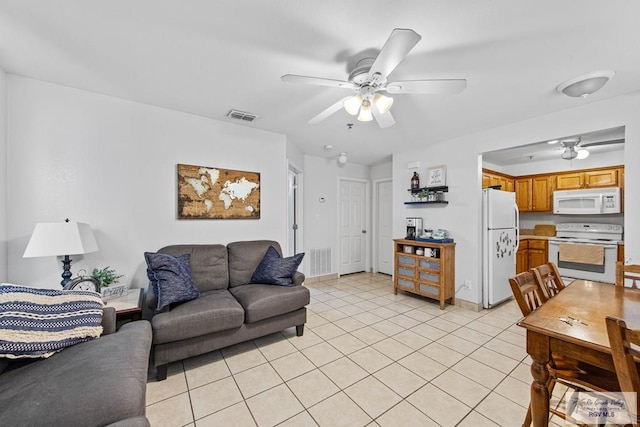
(384, 227)
(353, 237)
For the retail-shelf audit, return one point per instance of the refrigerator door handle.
(517, 213)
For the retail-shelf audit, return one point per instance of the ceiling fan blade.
(609, 142)
(397, 46)
(447, 86)
(334, 108)
(384, 120)
(318, 81)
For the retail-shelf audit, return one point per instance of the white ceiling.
(206, 57)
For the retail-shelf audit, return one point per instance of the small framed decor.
(113, 291)
(437, 176)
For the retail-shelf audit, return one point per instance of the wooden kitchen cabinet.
(596, 178)
(534, 194)
(492, 179)
(432, 277)
(531, 253)
(523, 194)
(522, 256)
(538, 252)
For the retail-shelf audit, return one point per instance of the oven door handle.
(604, 245)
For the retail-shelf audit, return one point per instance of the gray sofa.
(229, 310)
(96, 383)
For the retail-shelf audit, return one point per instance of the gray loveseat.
(95, 383)
(230, 310)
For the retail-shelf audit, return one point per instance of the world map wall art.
(212, 193)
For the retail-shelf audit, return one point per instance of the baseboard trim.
(321, 278)
(468, 305)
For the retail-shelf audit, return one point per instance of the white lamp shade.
(365, 112)
(382, 103)
(60, 238)
(352, 105)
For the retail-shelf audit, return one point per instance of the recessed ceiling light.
(328, 147)
(553, 141)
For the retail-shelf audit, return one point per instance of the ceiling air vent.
(241, 115)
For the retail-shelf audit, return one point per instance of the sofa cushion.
(209, 264)
(276, 270)
(171, 278)
(244, 258)
(263, 301)
(214, 311)
(39, 322)
(95, 383)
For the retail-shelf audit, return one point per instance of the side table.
(128, 307)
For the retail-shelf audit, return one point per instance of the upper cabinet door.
(570, 181)
(523, 194)
(601, 178)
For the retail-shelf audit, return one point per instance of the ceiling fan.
(573, 149)
(369, 82)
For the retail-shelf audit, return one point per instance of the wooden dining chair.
(621, 340)
(548, 278)
(527, 292)
(570, 372)
(627, 272)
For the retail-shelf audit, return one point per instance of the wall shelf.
(428, 202)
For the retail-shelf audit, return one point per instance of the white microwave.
(587, 202)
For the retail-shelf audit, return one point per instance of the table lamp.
(61, 239)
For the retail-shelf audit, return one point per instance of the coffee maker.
(414, 228)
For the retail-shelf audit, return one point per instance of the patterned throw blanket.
(40, 322)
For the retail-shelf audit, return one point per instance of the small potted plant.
(424, 194)
(106, 276)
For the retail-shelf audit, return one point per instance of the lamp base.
(66, 270)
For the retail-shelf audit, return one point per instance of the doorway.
(383, 227)
(294, 205)
(352, 222)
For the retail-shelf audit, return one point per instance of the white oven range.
(593, 237)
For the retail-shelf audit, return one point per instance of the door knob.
(364, 231)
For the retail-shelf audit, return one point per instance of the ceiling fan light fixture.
(352, 105)
(365, 112)
(585, 85)
(569, 154)
(382, 103)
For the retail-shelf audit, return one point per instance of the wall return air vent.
(241, 115)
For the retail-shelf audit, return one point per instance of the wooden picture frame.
(437, 176)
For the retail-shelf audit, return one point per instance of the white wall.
(461, 156)
(3, 176)
(382, 170)
(112, 163)
(321, 218)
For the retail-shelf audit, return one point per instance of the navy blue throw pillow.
(275, 270)
(170, 278)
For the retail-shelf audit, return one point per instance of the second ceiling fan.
(369, 82)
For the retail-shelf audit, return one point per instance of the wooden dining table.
(584, 304)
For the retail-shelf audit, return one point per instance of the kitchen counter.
(533, 236)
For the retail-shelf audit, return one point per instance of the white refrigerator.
(500, 224)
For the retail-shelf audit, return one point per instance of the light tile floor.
(367, 358)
